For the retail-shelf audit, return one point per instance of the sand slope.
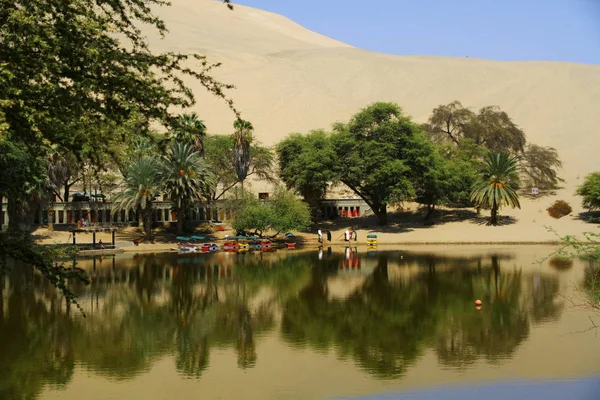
(290, 79)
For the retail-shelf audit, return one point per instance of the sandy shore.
(529, 225)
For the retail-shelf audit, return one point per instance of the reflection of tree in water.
(381, 326)
(385, 324)
(161, 305)
(35, 339)
(137, 312)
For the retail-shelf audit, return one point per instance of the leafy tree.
(453, 172)
(290, 213)
(241, 148)
(449, 122)
(381, 155)
(282, 212)
(23, 179)
(70, 67)
(140, 184)
(590, 190)
(490, 127)
(219, 157)
(539, 165)
(185, 178)
(307, 164)
(498, 185)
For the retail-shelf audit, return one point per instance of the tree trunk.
(381, 213)
(180, 220)
(494, 219)
(66, 194)
(1, 213)
(19, 220)
(430, 210)
(148, 224)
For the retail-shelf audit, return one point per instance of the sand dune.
(290, 79)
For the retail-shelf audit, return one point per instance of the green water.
(297, 324)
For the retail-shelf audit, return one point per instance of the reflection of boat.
(184, 248)
(198, 248)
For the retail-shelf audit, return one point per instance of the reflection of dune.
(341, 287)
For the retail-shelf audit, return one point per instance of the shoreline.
(172, 247)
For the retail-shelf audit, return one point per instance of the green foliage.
(588, 249)
(498, 185)
(590, 190)
(185, 179)
(559, 209)
(141, 182)
(281, 213)
(381, 155)
(75, 63)
(187, 128)
(48, 260)
(307, 164)
(23, 173)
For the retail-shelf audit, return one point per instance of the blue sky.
(557, 30)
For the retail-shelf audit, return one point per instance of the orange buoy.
(478, 303)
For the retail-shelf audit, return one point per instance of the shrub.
(559, 209)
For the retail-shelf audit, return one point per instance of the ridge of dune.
(289, 79)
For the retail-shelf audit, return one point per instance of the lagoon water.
(344, 323)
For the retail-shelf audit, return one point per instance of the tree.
(498, 185)
(490, 127)
(282, 212)
(140, 184)
(219, 157)
(381, 155)
(539, 165)
(185, 178)
(73, 71)
(23, 180)
(241, 148)
(63, 172)
(189, 129)
(590, 190)
(307, 165)
(449, 122)
(55, 87)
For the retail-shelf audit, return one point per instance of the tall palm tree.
(190, 129)
(498, 185)
(241, 148)
(186, 179)
(141, 182)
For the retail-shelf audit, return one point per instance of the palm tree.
(186, 178)
(189, 129)
(141, 182)
(241, 148)
(499, 184)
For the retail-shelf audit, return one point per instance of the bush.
(559, 209)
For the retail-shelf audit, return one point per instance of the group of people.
(350, 234)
